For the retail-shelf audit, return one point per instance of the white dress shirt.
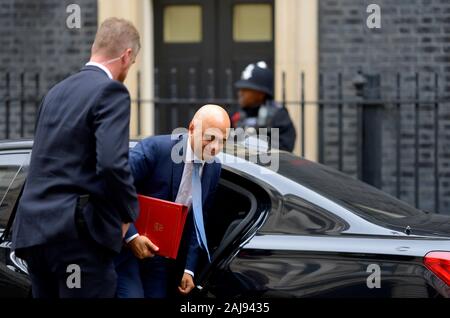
(102, 67)
(184, 195)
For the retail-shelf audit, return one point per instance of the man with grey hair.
(79, 196)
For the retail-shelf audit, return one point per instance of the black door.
(201, 48)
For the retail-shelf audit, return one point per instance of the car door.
(240, 208)
(302, 250)
(14, 281)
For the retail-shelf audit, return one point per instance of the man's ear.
(128, 56)
(191, 127)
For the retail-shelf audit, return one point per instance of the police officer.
(258, 109)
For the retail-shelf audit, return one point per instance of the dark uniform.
(268, 115)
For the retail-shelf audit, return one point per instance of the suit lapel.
(177, 168)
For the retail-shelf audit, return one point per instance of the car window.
(363, 199)
(11, 180)
(298, 216)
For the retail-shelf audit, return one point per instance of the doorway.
(201, 48)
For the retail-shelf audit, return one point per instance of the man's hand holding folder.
(142, 247)
(160, 222)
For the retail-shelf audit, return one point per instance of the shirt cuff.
(132, 237)
(189, 272)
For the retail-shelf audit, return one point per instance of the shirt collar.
(102, 67)
(190, 155)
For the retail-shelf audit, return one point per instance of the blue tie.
(197, 207)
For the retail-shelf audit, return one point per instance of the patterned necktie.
(197, 207)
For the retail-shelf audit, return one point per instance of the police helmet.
(257, 76)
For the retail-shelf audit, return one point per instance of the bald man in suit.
(181, 168)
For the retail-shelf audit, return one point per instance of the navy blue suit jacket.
(157, 175)
(80, 148)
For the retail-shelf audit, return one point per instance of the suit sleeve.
(39, 113)
(131, 233)
(142, 159)
(111, 121)
(194, 249)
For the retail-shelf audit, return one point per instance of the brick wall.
(414, 37)
(34, 39)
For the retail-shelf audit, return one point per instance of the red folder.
(162, 222)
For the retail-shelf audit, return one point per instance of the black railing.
(359, 131)
(23, 101)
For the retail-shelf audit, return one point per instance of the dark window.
(229, 209)
(300, 217)
(11, 181)
(363, 199)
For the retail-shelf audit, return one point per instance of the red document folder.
(162, 222)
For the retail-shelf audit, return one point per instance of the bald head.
(214, 115)
(209, 130)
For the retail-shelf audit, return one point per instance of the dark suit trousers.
(149, 278)
(54, 273)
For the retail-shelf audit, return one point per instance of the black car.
(284, 226)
